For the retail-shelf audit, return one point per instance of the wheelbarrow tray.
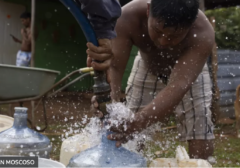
(24, 82)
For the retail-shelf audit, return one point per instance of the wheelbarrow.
(22, 84)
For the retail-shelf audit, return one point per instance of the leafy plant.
(227, 27)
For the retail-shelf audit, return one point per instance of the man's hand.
(15, 39)
(103, 53)
(94, 108)
(125, 132)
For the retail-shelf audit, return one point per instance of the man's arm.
(183, 75)
(121, 46)
(102, 15)
(16, 39)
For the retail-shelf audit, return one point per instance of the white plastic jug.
(72, 146)
(47, 163)
(182, 160)
(164, 162)
(6, 122)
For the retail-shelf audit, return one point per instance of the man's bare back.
(160, 61)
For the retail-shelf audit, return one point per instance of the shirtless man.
(24, 55)
(169, 74)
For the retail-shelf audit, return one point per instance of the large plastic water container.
(106, 154)
(23, 141)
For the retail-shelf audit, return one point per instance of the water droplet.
(154, 108)
(108, 160)
(195, 35)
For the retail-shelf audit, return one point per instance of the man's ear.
(148, 8)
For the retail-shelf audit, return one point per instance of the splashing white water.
(119, 114)
(93, 131)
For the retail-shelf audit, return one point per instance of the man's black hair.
(175, 13)
(25, 15)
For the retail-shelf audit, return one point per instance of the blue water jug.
(23, 141)
(106, 154)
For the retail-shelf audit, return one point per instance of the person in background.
(24, 54)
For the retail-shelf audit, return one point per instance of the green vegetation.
(227, 27)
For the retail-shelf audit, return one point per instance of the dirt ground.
(67, 111)
(64, 112)
(65, 108)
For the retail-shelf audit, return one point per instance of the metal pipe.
(33, 11)
(65, 78)
(70, 83)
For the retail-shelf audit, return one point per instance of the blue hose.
(100, 84)
(82, 20)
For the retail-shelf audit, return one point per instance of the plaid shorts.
(193, 113)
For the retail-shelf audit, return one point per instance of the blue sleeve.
(102, 15)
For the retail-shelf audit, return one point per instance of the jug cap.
(21, 108)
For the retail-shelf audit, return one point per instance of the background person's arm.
(16, 39)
